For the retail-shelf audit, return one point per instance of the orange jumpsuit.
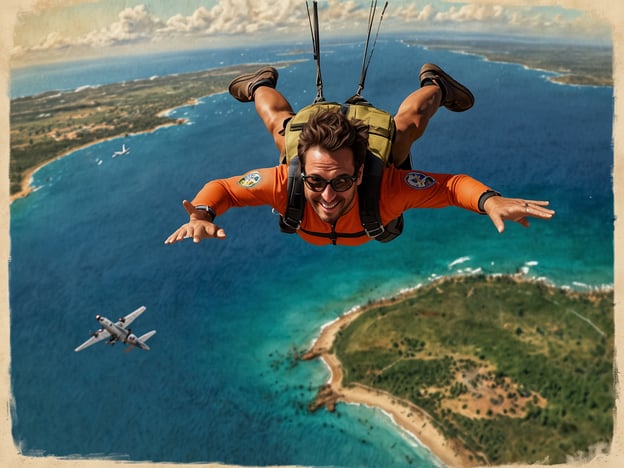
(400, 191)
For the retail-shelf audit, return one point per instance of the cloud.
(518, 19)
(135, 24)
(233, 17)
(288, 18)
(465, 13)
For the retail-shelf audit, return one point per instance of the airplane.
(123, 151)
(119, 331)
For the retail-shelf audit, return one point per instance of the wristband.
(208, 210)
(484, 197)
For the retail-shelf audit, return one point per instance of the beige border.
(612, 10)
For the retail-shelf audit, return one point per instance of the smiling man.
(324, 193)
(332, 151)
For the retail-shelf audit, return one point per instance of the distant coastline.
(41, 133)
(26, 180)
(572, 64)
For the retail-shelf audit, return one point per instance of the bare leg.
(412, 118)
(273, 109)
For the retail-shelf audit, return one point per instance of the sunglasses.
(338, 184)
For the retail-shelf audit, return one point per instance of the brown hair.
(331, 130)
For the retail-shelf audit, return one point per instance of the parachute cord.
(365, 63)
(314, 32)
(371, 15)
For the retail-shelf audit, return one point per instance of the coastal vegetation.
(513, 371)
(49, 125)
(573, 63)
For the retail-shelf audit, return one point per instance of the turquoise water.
(220, 383)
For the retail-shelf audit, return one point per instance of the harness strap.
(293, 215)
(335, 235)
(368, 194)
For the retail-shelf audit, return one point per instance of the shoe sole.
(466, 100)
(245, 80)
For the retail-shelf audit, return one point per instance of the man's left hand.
(500, 209)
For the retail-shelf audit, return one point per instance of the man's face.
(329, 204)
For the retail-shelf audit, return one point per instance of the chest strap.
(368, 194)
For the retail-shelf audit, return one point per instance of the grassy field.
(515, 370)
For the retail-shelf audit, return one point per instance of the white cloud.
(54, 40)
(519, 19)
(470, 13)
(232, 17)
(135, 24)
(288, 18)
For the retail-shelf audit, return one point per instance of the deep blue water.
(220, 383)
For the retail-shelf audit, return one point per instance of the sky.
(51, 30)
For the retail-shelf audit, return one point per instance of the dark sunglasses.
(338, 184)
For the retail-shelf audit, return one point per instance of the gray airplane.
(119, 331)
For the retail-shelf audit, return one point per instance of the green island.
(574, 64)
(49, 125)
(507, 370)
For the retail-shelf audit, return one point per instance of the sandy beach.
(26, 185)
(405, 414)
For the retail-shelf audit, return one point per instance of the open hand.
(199, 227)
(500, 209)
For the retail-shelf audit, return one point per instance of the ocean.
(222, 382)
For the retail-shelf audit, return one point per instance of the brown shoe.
(455, 96)
(243, 86)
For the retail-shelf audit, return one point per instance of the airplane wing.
(125, 322)
(98, 336)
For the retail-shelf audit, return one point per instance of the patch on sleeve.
(419, 180)
(250, 179)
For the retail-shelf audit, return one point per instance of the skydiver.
(332, 150)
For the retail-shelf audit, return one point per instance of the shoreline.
(410, 418)
(407, 416)
(26, 185)
(564, 77)
(26, 176)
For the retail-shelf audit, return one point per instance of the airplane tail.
(146, 337)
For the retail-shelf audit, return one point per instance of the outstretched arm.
(500, 209)
(200, 226)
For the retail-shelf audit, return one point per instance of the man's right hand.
(199, 227)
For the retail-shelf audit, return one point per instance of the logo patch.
(418, 180)
(249, 180)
